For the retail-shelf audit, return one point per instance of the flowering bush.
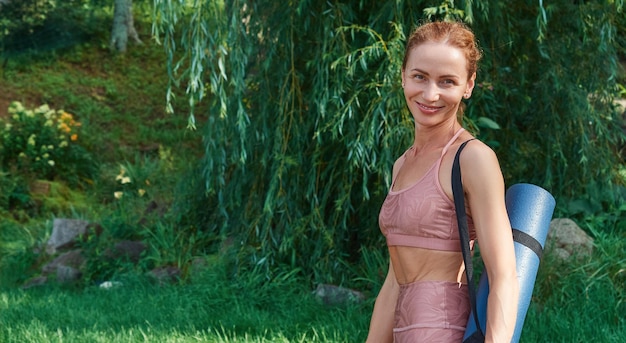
(43, 143)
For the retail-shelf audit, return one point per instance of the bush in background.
(44, 144)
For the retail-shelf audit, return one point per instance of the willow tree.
(307, 113)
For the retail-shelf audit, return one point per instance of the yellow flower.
(63, 127)
(43, 108)
(74, 137)
(51, 162)
(125, 180)
(63, 144)
(118, 195)
(141, 192)
(121, 174)
(15, 107)
(66, 116)
(31, 140)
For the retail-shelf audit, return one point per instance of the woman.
(424, 297)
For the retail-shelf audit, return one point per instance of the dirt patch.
(6, 98)
(4, 105)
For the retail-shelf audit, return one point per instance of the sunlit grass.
(570, 304)
(212, 308)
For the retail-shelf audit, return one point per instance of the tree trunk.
(123, 25)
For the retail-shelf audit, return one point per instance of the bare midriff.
(412, 264)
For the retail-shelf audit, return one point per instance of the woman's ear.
(470, 86)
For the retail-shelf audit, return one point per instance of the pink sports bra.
(422, 215)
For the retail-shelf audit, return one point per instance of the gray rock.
(64, 233)
(336, 295)
(131, 250)
(165, 274)
(73, 259)
(67, 274)
(37, 281)
(567, 240)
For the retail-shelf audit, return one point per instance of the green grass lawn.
(216, 307)
(211, 308)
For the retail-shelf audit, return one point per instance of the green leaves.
(487, 123)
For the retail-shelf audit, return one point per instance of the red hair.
(455, 34)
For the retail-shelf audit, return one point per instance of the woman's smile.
(428, 109)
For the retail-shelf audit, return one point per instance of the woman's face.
(435, 80)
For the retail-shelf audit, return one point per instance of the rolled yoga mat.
(530, 209)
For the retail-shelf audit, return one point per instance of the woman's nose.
(431, 92)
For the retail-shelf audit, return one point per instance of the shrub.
(44, 144)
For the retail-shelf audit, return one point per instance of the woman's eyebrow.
(446, 76)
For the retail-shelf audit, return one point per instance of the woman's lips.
(429, 109)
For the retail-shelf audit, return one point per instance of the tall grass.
(212, 308)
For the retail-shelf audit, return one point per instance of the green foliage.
(553, 88)
(14, 194)
(23, 15)
(307, 114)
(43, 25)
(17, 241)
(44, 144)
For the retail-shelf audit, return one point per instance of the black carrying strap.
(461, 217)
(528, 241)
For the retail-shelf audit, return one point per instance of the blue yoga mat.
(530, 210)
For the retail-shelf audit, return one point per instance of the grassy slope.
(120, 99)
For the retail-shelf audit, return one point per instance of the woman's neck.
(433, 138)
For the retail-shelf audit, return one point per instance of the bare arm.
(381, 324)
(484, 186)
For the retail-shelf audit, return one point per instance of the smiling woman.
(424, 297)
(435, 79)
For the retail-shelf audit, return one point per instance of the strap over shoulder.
(461, 217)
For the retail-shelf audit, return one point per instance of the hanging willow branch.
(307, 113)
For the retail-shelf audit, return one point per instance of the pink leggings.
(431, 311)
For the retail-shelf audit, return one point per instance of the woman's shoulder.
(479, 160)
(477, 149)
